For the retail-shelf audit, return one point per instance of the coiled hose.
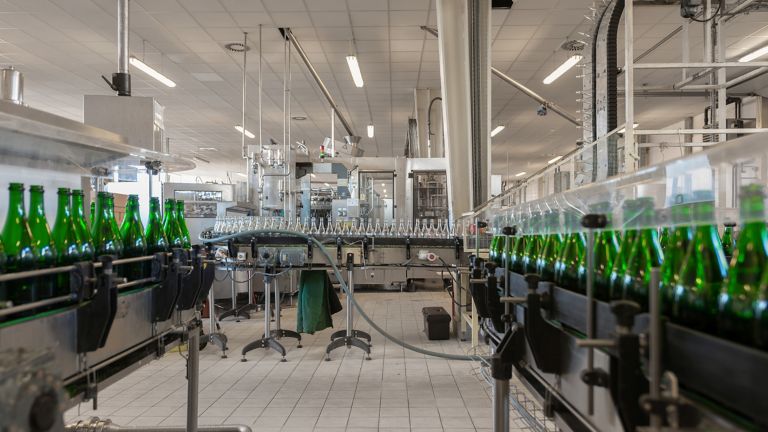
(344, 287)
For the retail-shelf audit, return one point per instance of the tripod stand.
(269, 340)
(349, 337)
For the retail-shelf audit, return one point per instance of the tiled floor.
(398, 390)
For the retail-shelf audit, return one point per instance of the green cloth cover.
(317, 302)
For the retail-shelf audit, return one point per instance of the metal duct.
(121, 81)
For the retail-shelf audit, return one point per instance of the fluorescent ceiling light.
(563, 68)
(754, 54)
(354, 69)
(241, 174)
(140, 65)
(383, 185)
(370, 128)
(554, 159)
(624, 129)
(248, 133)
(521, 173)
(313, 175)
(207, 148)
(327, 185)
(497, 130)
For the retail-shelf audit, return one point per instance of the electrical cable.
(455, 283)
(714, 15)
(345, 288)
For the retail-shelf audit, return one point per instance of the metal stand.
(278, 332)
(349, 337)
(269, 340)
(242, 311)
(509, 351)
(193, 374)
(235, 311)
(214, 336)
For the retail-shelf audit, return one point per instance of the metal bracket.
(95, 316)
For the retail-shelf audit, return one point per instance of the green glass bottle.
(547, 260)
(492, 248)
(532, 245)
(728, 240)
(112, 218)
(761, 313)
(20, 251)
(702, 274)
(664, 237)
(518, 249)
(3, 259)
(680, 238)
(132, 237)
(41, 236)
(571, 254)
(619, 267)
(170, 227)
(105, 240)
(154, 234)
(645, 254)
(606, 247)
(92, 216)
(81, 226)
(736, 318)
(182, 222)
(65, 239)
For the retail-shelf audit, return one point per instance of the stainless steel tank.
(12, 85)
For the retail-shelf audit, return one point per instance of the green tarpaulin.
(317, 302)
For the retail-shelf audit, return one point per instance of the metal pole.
(507, 306)
(277, 306)
(528, 92)
(300, 51)
(234, 290)
(123, 29)
(590, 314)
(267, 301)
(630, 150)
(211, 313)
(655, 354)
(193, 376)
(500, 405)
(351, 289)
(242, 108)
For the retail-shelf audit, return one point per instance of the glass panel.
(377, 196)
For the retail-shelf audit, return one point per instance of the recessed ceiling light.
(563, 68)
(299, 117)
(497, 130)
(241, 174)
(354, 69)
(754, 54)
(248, 133)
(370, 131)
(140, 65)
(207, 148)
(521, 173)
(554, 159)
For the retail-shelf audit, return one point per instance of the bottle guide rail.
(131, 332)
(727, 373)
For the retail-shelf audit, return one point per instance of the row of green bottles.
(28, 243)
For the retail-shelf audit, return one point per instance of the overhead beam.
(527, 91)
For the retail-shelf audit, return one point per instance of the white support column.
(421, 104)
(630, 147)
(453, 43)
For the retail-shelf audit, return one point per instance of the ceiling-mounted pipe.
(528, 92)
(286, 32)
(121, 81)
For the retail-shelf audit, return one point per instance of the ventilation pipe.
(121, 81)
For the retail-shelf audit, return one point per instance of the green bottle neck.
(36, 205)
(78, 209)
(63, 213)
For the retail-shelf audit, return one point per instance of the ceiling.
(63, 48)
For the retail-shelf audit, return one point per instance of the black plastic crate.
(437, 323)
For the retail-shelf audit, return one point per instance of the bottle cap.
(19, 186)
